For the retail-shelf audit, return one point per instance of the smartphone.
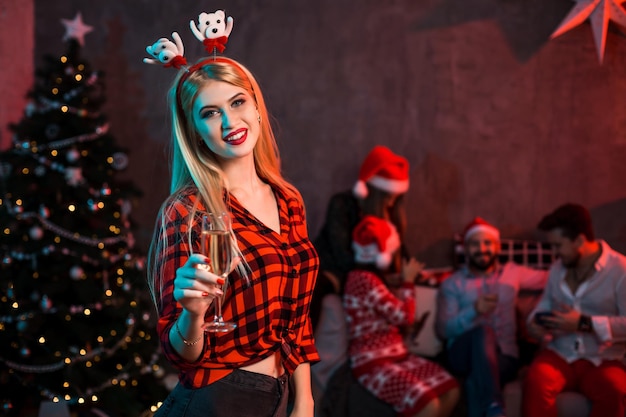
(540, 318)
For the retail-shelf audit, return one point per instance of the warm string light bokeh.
(75, 319)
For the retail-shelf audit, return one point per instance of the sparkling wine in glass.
(217, 246)
(491, 292)
(490, 287)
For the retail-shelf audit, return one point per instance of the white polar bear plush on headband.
(166, 52)
(212, 30)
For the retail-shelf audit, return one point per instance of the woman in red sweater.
(379, 359)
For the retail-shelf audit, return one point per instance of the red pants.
(549, 375)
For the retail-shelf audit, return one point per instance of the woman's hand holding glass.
(200, 282)
(195, 287)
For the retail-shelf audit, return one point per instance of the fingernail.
(220, 281)
(205, 294)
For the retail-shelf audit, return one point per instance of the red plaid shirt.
(272, 313)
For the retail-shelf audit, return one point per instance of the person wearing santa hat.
(379, 359)
(476, 318)
(382, 181)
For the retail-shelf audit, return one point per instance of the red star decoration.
(600, 13)
(76, 29)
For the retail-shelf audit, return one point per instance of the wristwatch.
(585, 324)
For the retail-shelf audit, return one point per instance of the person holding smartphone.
(582, 318)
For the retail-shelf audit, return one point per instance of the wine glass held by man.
(225, 159)
(476, 317)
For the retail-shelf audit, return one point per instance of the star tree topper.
(600, 13)
(76, 29)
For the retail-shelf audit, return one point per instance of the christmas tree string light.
(85, 137)
(76, 321)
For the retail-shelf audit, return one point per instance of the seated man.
(583, 320)
(476, 317)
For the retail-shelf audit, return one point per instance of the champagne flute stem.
(218, 306)
(218, 309)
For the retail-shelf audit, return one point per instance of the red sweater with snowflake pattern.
(374, 316)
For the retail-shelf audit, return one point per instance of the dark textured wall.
(16, 61)
(496, 119)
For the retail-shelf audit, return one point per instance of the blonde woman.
(225, 159)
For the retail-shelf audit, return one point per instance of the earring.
(259, 118)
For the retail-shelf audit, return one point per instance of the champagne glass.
(216, 245)
(490, 287)
(490, 291)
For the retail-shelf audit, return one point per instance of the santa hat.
(480, 225)
(384, 170)
(374, 241)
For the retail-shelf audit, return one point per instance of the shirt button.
(284, 246)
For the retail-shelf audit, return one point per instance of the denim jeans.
(475, 357)
(241, 394)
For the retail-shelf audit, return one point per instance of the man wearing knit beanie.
(476, 317)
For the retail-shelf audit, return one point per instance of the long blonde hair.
(193, 164)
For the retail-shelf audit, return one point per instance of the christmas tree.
(76, 326)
